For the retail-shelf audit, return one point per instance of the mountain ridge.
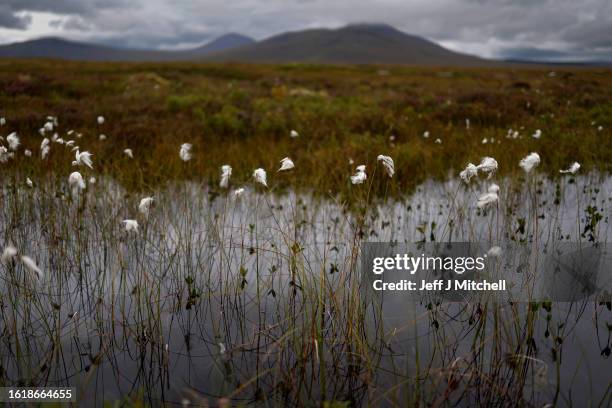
(363, 43)
(61, 48)
(352, 44)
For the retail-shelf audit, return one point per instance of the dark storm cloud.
(11, 20)
(486, 27)
(63, 6)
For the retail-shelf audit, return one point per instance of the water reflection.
(256, 299)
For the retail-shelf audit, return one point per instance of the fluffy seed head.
(75, 180)
(572, 169)
(185, 152)
(260, 176)
(286, 164)
(130, 225)
(45, 148)
(488, 165)
(469, 172)
(360, 176)
(13, 141)
(31, 266)
(82, 158)
(226, 173)
(238, 192)
(145, 205)
(530, 162)
(387, 163)
(9, 253)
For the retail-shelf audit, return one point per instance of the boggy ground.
(242, 115)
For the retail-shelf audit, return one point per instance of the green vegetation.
(242, 115)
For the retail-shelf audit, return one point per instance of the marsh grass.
(257, 300)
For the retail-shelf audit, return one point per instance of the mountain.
(225, 42)
(353, 44)
(53, 47)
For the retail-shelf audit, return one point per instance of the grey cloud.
(9, 19)
(63, 6)
(75, 24)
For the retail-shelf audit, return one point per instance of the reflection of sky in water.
(131, 292)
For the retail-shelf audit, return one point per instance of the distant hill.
(353, 44)
(53, 47)
(223, 43)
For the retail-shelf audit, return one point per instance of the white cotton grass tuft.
(13, 141)
(100, 120)
(426, 134)
(92, 180)
(294, 134)
(488, 165)
(9, 253)
(286, 164)
(537, 134)
(130, 225)
(76, 182)
(495, 252)
(572, 169)
(2, 121)
(438, 141)
(489, 198)
(31, 266)
(529, 162)
(470, 171)
(226, 173)
(360, 176)
(102, 137)
(129, 153)
(145, 206)
(467, 124)
(82, 158)
(185, 152)
(29, 183)
(387, 163)
(238, 192)
(45, 148)
(4, 154)
(259, 175)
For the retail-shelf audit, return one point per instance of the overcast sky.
(554, 29)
